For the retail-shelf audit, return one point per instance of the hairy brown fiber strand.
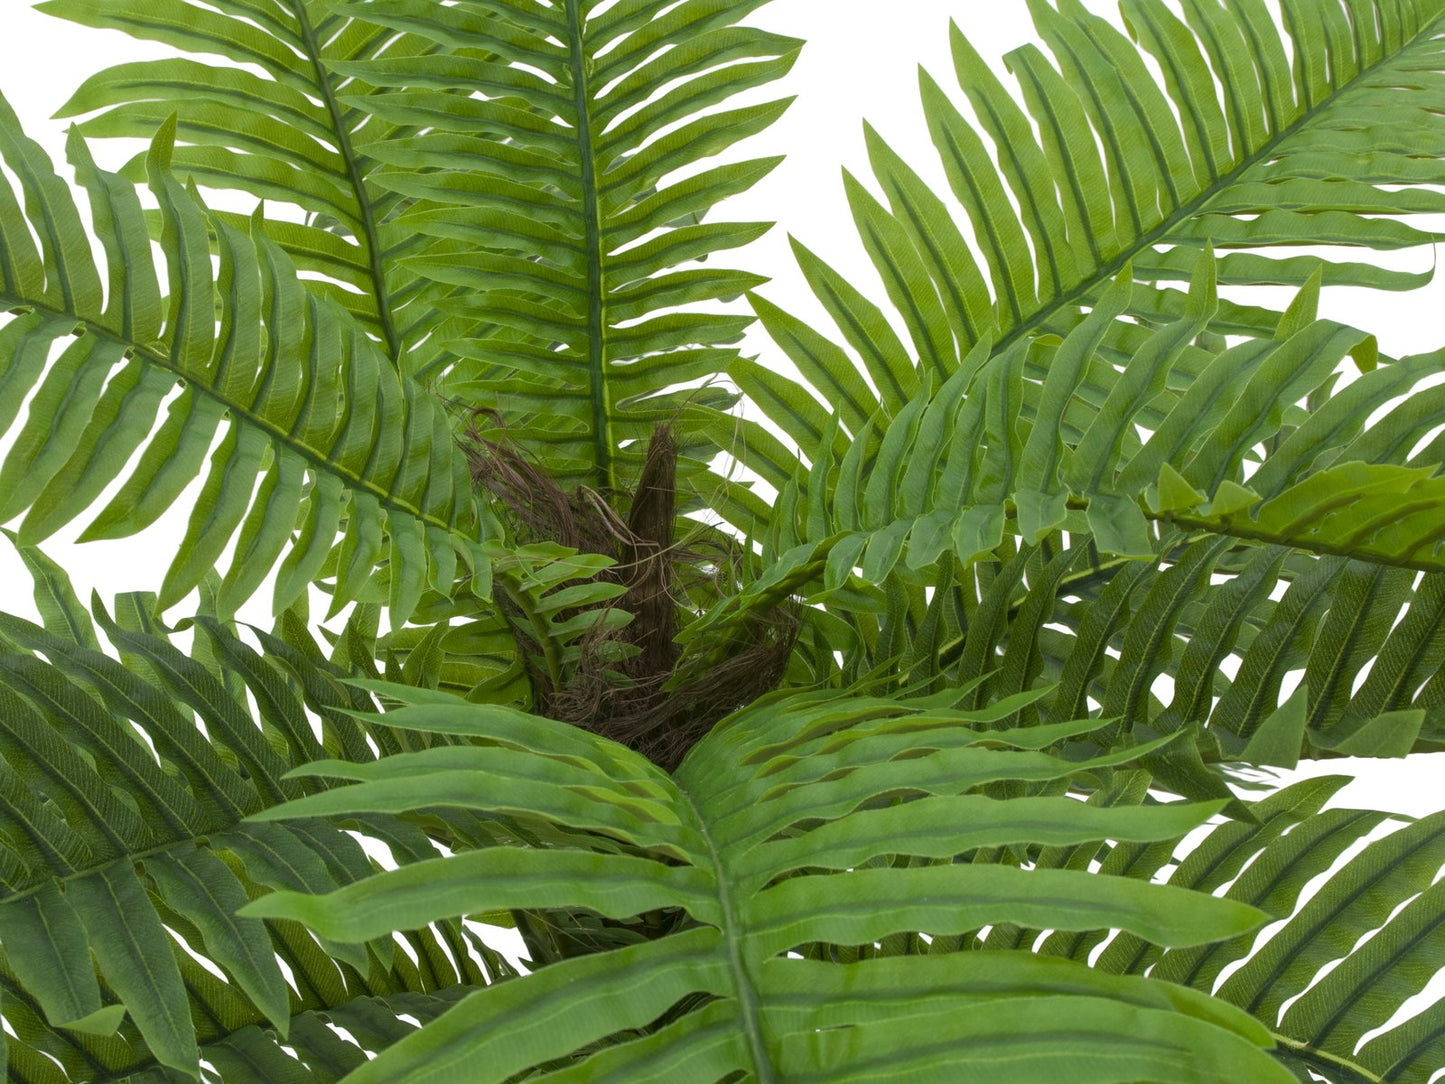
(652, 701)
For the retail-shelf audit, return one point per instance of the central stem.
(596, 317)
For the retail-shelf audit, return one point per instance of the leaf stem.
(592, 252)
(1327, 1062)
(749, 1011)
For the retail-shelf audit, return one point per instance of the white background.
(861, 61)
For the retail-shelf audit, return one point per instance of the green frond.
(1385, 890)
(553, 208)
(1063, 531)
(302, 400)
(1251, 142)
(282, 131)
(256, 1055)
(774, 836)
(1032, 443)
(557, 614)
(1141, 641)
(1176, 541)
(125, 854)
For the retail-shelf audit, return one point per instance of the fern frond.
(1229, 153)
(278, 129)
(949, 494)
(772, 836)
(1384, 891)
(123, 791)
(552, 201)
(998, 451)
(1349, 646)
(303, 401)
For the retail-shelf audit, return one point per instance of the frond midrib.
(132, 856)
(749, 1011)
(1236, 528)
(370, 237)
(596, 326)
(1327, 1062)
(316, 460)
(1038, 321)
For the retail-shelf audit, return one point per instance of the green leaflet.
(587, 999)
(42, 934)
(200, 886)
(1121, 1042)
(61, 611)
(479, 881)
(134, 956)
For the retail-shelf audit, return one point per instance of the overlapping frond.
(549, 613)
(1277, 655)
(1259, 137)
(1303, 562)
(125, 853)
(1025, 444)
(1243, 148)
(559, 179)
(280, 129)
(303, 402)
(1127, 481)
(782, 830)
(1375, 922)
(257, 1055)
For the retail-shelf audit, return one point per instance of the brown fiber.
(653, 700)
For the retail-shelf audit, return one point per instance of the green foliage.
(284, 133)
(109, 842)
(745, 846)
(302, 399)
(1056, 526)
(506, 249)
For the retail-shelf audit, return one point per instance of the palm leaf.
(302, 400)
(747, 848)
